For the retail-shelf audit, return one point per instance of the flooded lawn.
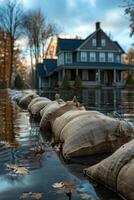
(29, 166)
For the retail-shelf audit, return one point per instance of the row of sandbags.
(83, 133)
(80, 132)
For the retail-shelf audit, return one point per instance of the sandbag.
(89, 135)
(117, 171)
(59, 101)
(25, 100)
(48, 113)
(36, 107)
(61, 121)
(35, 100)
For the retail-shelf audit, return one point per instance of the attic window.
(94, 42)
(103, 42)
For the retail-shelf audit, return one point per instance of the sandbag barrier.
(79, 132)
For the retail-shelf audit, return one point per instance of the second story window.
(103, 42)
(118, 59)
(110, 57)
(102, 57)
(94, 42)
(92, 56)
(68, 57)
(83, 56)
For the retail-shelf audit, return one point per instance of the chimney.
(97, 25)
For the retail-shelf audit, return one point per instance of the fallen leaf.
(86, 196)
(58, 185)
(37, 196)
(25, 195)
(17, 170)
(21, 170)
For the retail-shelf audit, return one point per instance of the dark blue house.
(97, 60)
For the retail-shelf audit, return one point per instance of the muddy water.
(22, 144)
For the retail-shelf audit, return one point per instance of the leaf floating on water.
(86, 196)
(37, 196)
(25, 195)
(17, 170)
(58, 185)
(21, 170)
(65, 187)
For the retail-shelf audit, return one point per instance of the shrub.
(78, 83)
(65, 83)
(130, 80)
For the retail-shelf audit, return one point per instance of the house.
(97, 60)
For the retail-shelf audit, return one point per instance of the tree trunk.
(11, 61)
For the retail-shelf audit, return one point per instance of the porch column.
(77, 72)
(63, 74)
(114, 75)
(99, 79)
(98, 76)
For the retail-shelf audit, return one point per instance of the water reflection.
(21, 143)
(106, 101)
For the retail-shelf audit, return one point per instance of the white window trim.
(102, 57)
(103, 44)
(83, 57)
(94, 43)
(93, 53)
(66, 57)
(109, 57)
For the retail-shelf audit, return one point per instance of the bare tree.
(11, 12)
(129, 10)
(38, 30)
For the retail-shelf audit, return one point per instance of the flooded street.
(22, 144)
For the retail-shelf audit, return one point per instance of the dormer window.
(103, 42)
(68, 57)
(94, 42)
(83, 56)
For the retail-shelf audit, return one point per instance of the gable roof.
(50, 66)
(117, 44)
(68, 44)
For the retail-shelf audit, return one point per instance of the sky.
(78, 17)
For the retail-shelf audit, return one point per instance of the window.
(68, 57)
(94, 42)
(118, 59)
(102, 57)
(61, 59)
(83, 56)
(110, 57)
(92, 56)
(103, 42)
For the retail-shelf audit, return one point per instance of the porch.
(94, 77)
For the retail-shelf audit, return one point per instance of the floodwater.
(23, 145)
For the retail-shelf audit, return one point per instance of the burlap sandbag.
(117, 171)
(35, 100)
(47, 113)
(60, 101)
(25, 101)
(64, 119)
(36, 107)
(88, 135)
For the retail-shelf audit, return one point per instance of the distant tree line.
(16, 22)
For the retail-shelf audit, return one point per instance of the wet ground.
(22, 145)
